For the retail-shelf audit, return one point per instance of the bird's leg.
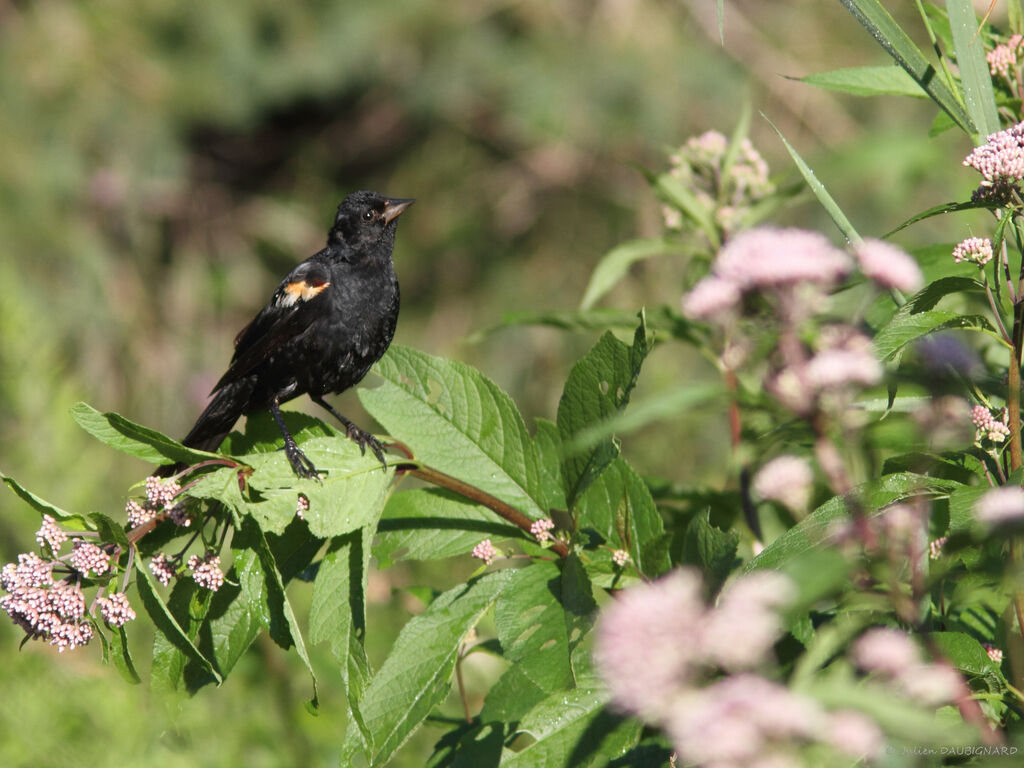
(361, 437)
(302, 466)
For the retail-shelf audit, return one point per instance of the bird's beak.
(393, 207)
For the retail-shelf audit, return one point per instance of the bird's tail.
(215, 422)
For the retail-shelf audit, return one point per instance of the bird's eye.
(367, 215)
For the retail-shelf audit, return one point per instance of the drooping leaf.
(416, 675)
(458, 421)
(975, 78)
(867, 81)
(70, 519)
(121, 657)
(142, 442)
(614, 264)
(598, 387)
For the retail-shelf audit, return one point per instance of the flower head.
(885, 650)
(1001, 505)
(711, 298)
(977, 250)
(772, 258)
(786, 479)
(206, 571)
(484, 551)
(116, 610)
(990, 427)
(541, 529)
(620, 557)
(86, 557)
(1000, 161)
(889, 266)
(50, 535)
(162, 569)
(161, 493)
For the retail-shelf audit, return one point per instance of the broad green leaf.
(710, 549)
(614, 264)
(350, 493)
(338, 614)
(549, 447)
(975, 79)
(961, 507)
(876, 20)
(905, 328)
(468, 745)
(963, 652)
(166, 624)
(458, 421)
(120, 656)
(827, 202)
(432, 524)
(813, 530)
(416, 675)
(109, 530)
(572, 728)
(45, 507)
(123, 435)
(867, 81)
(619, 507)
(534, 635)
(598, 387)
(284, 627)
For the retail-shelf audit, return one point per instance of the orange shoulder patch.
(302, 290)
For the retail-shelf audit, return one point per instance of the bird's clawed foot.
(301, 464)
(366, 439)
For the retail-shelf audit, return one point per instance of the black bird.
(329, 320)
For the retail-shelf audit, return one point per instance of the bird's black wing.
(290, 312)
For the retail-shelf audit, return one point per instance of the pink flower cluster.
(163, 569)
(977, 250)
(889, 266)
(301, 507)
(989, 427)
(657, 644)
(1000, 161)
(43, 609)
(50, 535)
(160, 500)
(894, 657)
(787, 480)
(620, 557)
(86, 557)
(485, 551)
(1004, 56)
(541, 529)
(206, 571)
(1001, 505)
(116, 610)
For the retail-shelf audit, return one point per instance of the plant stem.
(496, 505)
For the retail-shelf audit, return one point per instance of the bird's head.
(366, 218)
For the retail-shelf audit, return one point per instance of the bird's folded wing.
(289, 314)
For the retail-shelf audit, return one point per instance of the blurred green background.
(163, 164)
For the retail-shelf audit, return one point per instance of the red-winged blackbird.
(329, 320)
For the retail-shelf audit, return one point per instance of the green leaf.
(458, 421)
(904, 52)
(867, 81)
(568, 728)
(45, 507)
(284, 627)
(534, 635)
(828, 203)
(416, 676)
(109, 530)
(121, 657)
(614, 264)
(549, 448)
(619, 508)
(674, 192)
(165, 623)
(123, 435)
(710, 549)
(964, 652)
(975, 78)
(906, 327)
(598, 386)
(432, 524)
(813, 529)
(939, 210)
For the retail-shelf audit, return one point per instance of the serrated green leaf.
(121, 657)
(598, 387)
(975, 78)
(549, 448)
(964, 652)
(534, 635)
(618, 506)
(128, 437)
(901, 48)
(458, 421)
(616, 262)
(416, 676)
(109, 530)
(432, 524)
(44, 507)
(167, 625)
(867, 81)
(906, 327)
(710, 549)
(284, 627)
(813, 529)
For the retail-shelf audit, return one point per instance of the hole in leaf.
(604, 387)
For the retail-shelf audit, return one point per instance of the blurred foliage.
(163, 163)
